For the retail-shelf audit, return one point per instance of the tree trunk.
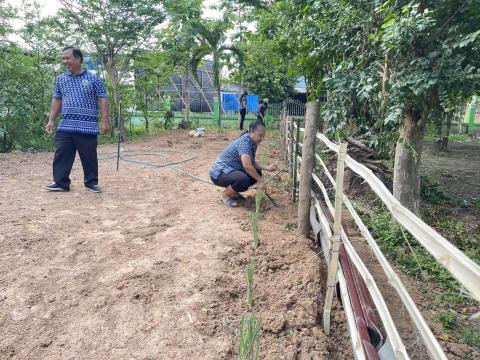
(437, 136)
(146, 112)
(385, 71)
(406, 173)
(450, 116)
(112, 74)
(219, 110)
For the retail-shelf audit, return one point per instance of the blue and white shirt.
(79, 95)
(230, 158)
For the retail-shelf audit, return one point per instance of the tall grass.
(258, 200)
(250, 272)
(256, 240)
(249, 337)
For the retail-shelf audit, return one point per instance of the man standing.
(261, 110)
(78, 94)
(243, 108)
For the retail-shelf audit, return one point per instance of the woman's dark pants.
(238, 180)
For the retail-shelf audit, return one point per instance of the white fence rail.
(465, 270)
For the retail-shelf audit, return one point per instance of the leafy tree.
(152, 72)
(381, 67)
(432, 47)
(118, 29)
(26, 82)
(265, 71)
(213, 42)
(179, 42)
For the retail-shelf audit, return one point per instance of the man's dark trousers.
(66, 146)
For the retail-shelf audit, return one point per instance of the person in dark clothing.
(236, 168)
(78, 95)
(243, 108)
(262, 110)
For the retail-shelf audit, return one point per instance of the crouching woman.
(236, 168)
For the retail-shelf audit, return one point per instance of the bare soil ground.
(458, 173)
(458, 169)
(153, 267)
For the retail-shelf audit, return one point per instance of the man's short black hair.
(76, 52)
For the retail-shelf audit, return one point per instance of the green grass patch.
(470, 335)
(250, 328)
(443, 291)
(432, 192)
(476, 202)
(429, 137)
(412, 258)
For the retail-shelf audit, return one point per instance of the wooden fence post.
(308, 162)
(335, 240)
(295, 161)
(283, 118)
(290, 146)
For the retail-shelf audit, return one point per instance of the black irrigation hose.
(124, 155)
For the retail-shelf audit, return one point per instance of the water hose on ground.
(126, 155)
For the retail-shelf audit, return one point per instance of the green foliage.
(185, 124)
(153, 70)
(214, 42)
(373, 64)
(258, 200)
(448, 319)
(432, 192)
(470, 335)
(255, 217)
(291, 226)
(412, 258)
(476, 202)
(168, 118)
(465, 237)
(264, 73)
(250, 328)
(249, 273)
(25, 97)
(117, 29)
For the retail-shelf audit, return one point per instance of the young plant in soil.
(258, 200)
(250, 337)
(256, 240)
(250, 272)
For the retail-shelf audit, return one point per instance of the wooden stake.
(335, 240)
(295, 161)
(308, 163)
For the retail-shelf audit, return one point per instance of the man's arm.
(104, 110)
(251, 170)
(54, 111)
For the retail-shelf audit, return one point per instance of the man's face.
(71, 62)
(258, 135)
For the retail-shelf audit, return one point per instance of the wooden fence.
(316, 210)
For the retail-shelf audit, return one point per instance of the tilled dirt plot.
(153, 267)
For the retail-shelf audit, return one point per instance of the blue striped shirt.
(230, 158)
(79, 95)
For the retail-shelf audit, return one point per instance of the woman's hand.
(261, 185)
(272, 167)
